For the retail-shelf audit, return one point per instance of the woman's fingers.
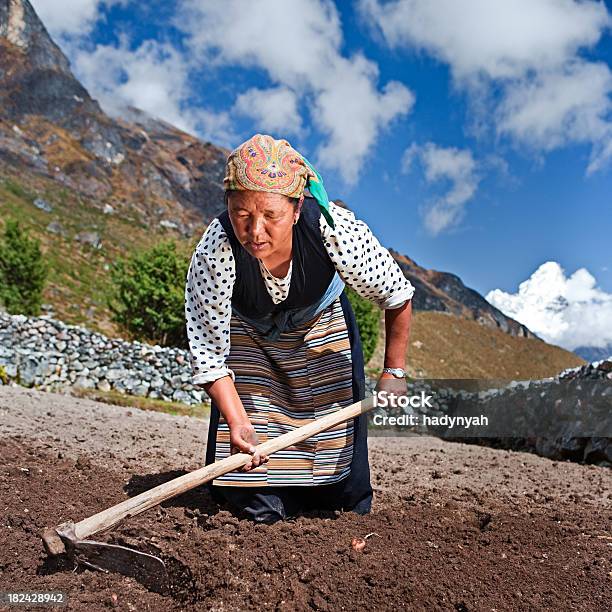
(251, 464)
(254, 463)
(247, 467)
(244, 440)
(256, 460)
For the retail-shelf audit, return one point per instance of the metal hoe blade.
(147, 569)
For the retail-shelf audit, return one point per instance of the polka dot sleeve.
(362, 262)
(208, 307)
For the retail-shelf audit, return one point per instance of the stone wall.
(566, 417)
(46, 353)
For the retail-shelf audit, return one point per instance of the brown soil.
(456, 527)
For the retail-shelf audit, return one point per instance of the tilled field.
(455, 527)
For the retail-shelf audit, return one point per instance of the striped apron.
(305, 374)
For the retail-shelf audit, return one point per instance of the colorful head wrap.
(265, 164)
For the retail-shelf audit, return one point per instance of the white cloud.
(353, 113)
(526, 52)
(497, 38)
(568, 105)
(410, 155)
(569, 311)
(301, 51)
(71, 17)
(455, 167)
(273, 110)
(154, 78)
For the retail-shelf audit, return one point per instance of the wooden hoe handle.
(135, 505)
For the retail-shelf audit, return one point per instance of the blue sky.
(474, 136)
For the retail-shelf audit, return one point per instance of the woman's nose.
(256, 227)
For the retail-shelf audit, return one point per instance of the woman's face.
(263, 222)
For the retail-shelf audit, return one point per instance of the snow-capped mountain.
(569, 311)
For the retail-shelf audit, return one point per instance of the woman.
(273, 338)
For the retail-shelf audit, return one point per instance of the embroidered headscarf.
(265, 164)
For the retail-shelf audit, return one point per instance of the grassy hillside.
(445, 346)
(79, 279)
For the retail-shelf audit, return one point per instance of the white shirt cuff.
(399, 298)
(212, 375)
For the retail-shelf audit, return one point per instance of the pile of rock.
(597, 370)
(48, 354)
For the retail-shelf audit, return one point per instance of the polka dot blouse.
(359, 258)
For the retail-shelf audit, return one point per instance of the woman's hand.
(388, 384)
(243, 439)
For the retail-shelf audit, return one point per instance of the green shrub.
(148, 295)
(23, 271)
(368, 322)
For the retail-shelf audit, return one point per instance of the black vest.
(312, 272)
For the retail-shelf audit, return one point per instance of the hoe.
(71, 538)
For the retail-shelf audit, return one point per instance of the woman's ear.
(298, 209)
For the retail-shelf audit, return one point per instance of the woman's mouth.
(257, 246)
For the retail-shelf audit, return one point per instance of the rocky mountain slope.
(443, 345)
(92, 187)
(445, 292)
(50, 125)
